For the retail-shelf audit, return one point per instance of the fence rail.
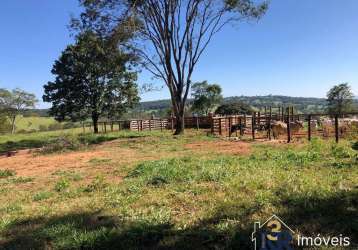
(256, 125)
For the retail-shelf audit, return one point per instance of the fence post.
(279, 114)
(220, 133)
(336, 127)
(269, 123)
(259, 118)
(105, 127)
(253, 126)
(212, 125)
(229, 127)
(292, 117)
(309, 127)
(265, 112)
(197, 123)
(150, 124)
(288, 126)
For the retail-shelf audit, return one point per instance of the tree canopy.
(205, 97)
(13, 103)
(170, 35)
(340, 99)
(94, 78)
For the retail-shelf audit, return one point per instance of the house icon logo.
(273, 234)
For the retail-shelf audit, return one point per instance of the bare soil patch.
(29, 164)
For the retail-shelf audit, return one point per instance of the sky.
(299, 48)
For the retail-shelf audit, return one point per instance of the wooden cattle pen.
(150, 124)
(257, 125)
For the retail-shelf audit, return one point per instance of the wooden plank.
(288, 126)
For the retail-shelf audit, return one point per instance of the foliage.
(234, 108)
(205, 97)
(169, 42)
(340, 99)
(44, 195)
(62, 185)
(12, 103)
(93, 79)
(5, 125)
(61, 144)
(6, 173)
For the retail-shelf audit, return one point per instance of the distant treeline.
(161, 108)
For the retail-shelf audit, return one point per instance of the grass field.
(33, 123)
(129, 190)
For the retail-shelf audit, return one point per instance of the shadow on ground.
(86, 139)
(325, 215)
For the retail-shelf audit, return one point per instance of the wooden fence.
(258, 126)
(255, 126)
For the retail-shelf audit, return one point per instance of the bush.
(43, 127)
(5, 126)
(97, 184)
(355, 145)
(62, 143)
(7, 173)
(62, 185)
(234, 108)
(41, 196)
(55, 126)
(69, 125)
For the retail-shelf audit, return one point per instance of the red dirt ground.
(28, 163)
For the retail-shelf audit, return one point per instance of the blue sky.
(299, 48)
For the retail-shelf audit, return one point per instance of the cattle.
(350, 122)
(314, 125)
(238, 127)
(279, 128)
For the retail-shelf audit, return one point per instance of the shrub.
(7, 173)
(355, 145)
(55, 126)
(42, 196)
(97, 184)
(62, 143)
(43, 127)
(62, 185)
(69, 125)
(22, 180)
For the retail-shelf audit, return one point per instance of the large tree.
(171, 35)
(340, 99)
(15, 102)
(205, 97)
(93, 79)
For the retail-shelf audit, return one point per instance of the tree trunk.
(13, 125)
(179, 126)
(95, 123)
